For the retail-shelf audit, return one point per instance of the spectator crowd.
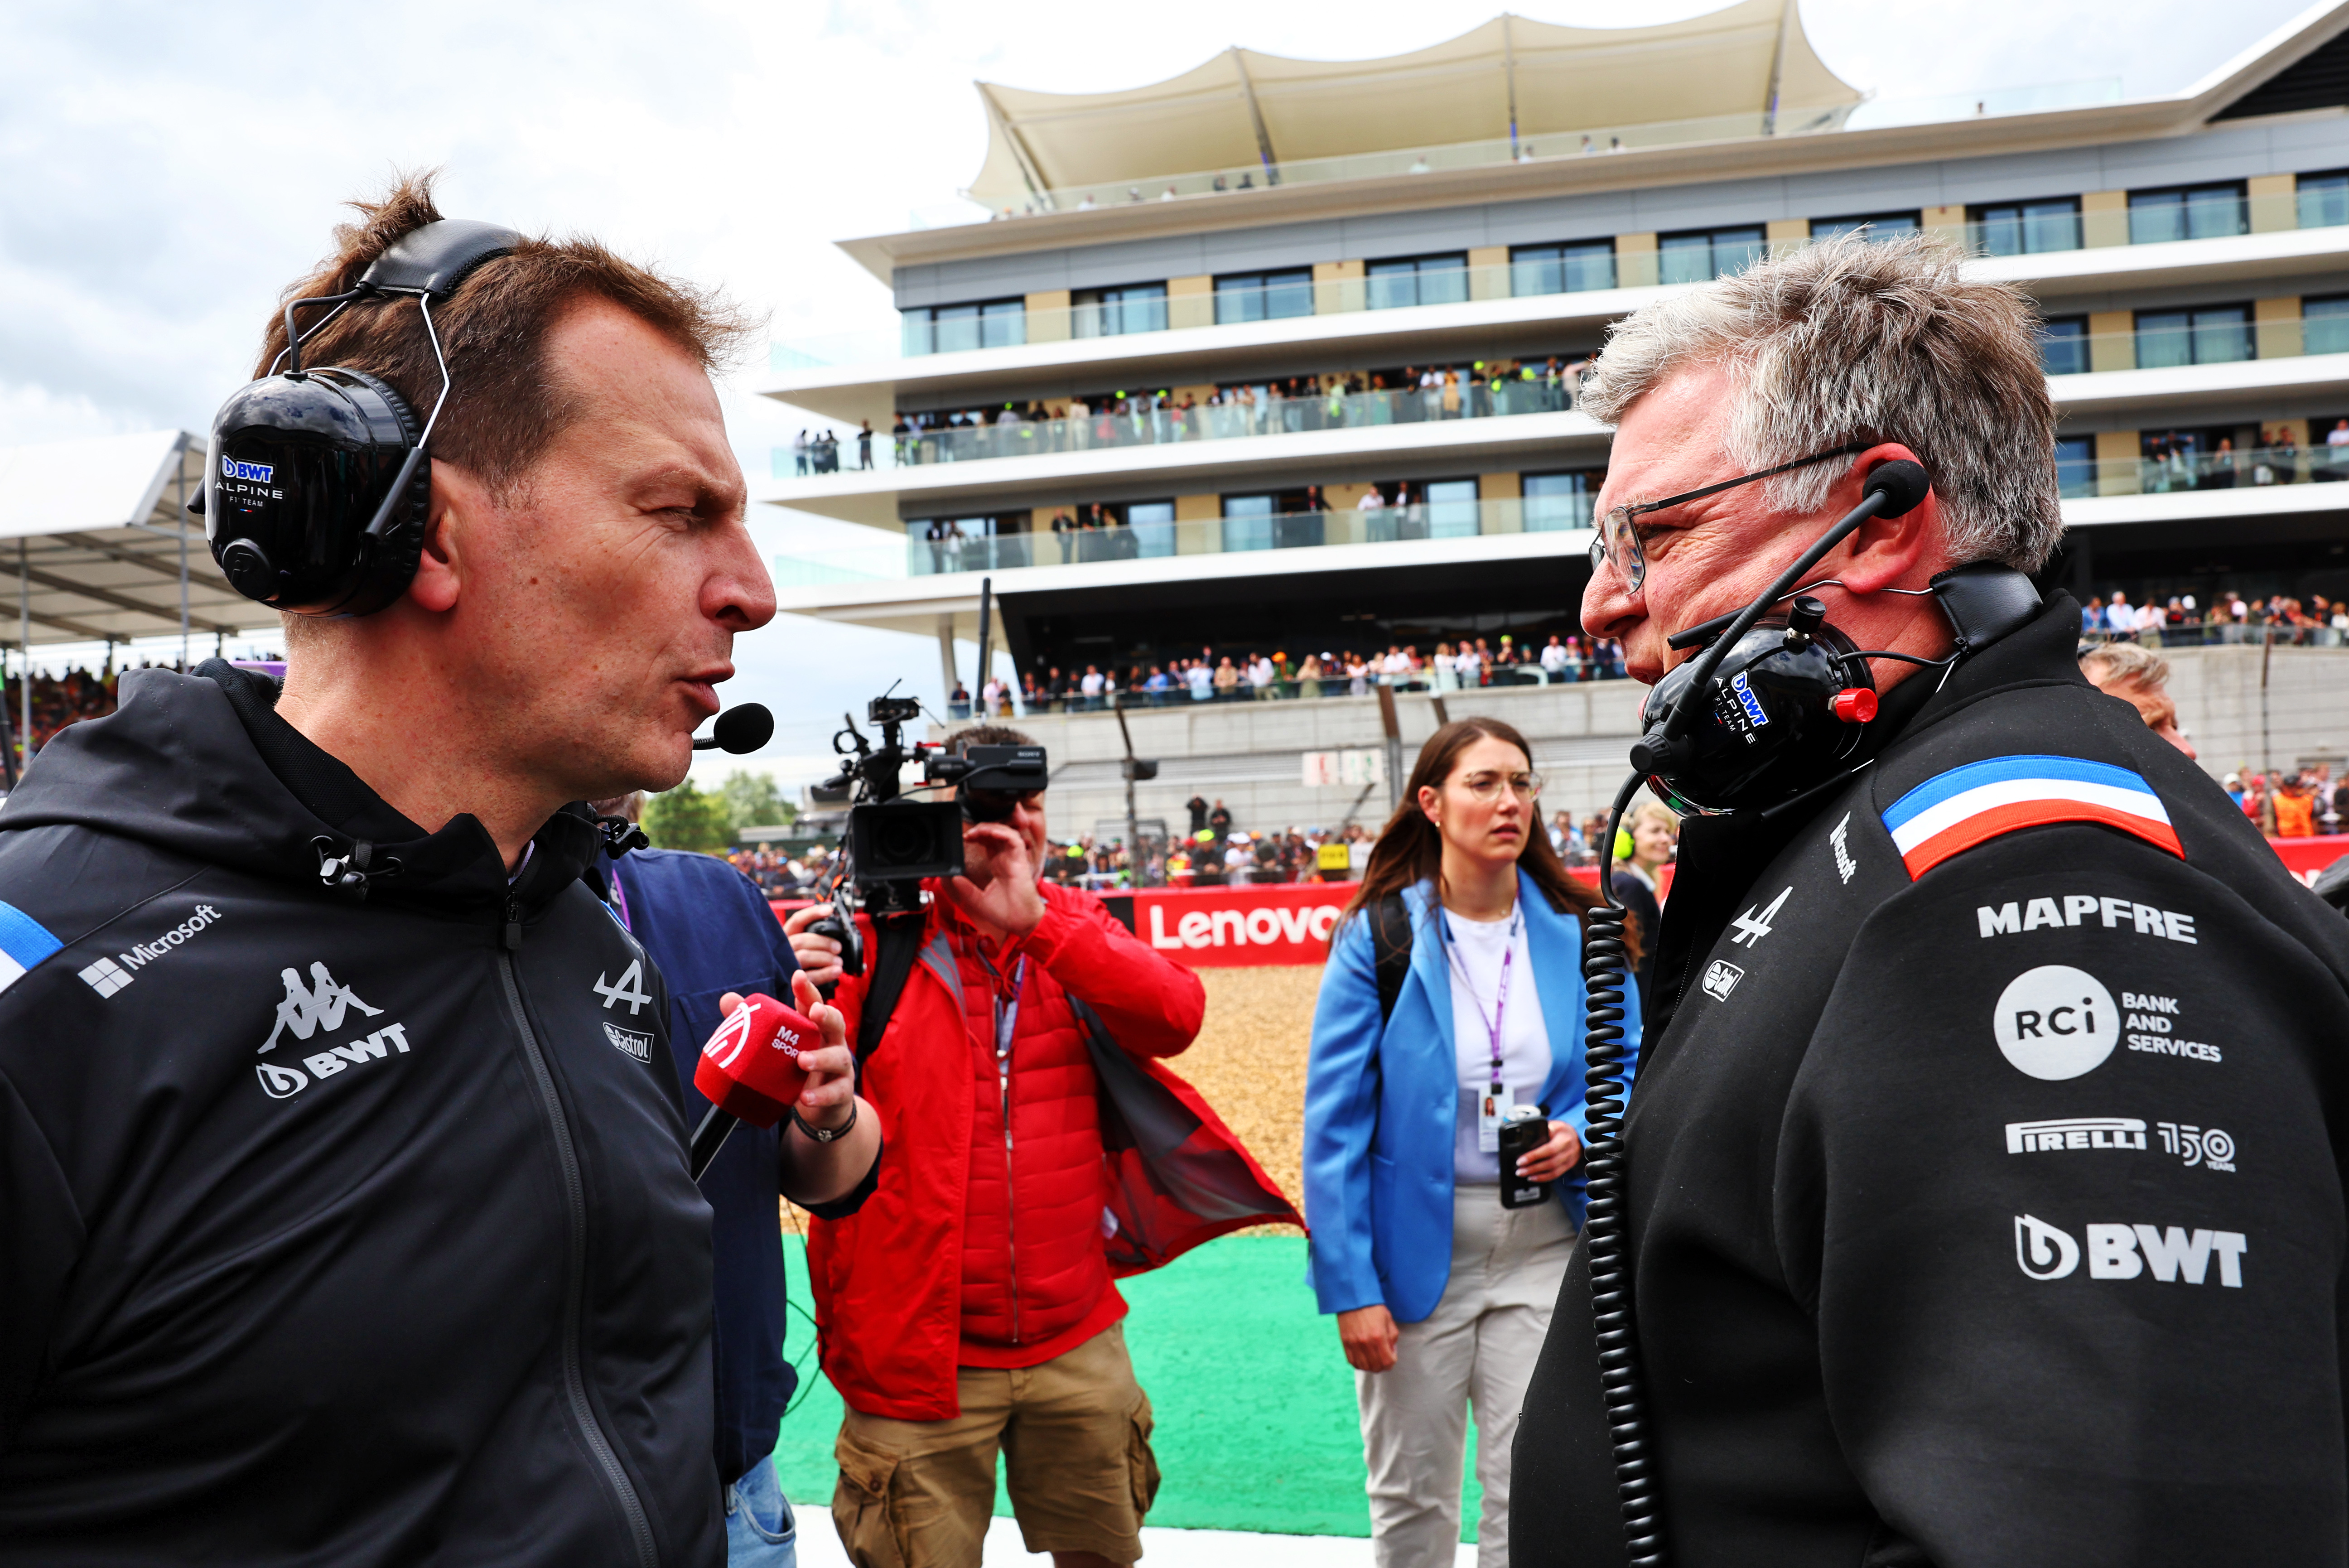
(1466, 664)
(2227, 617)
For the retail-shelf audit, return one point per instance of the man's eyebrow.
(707, 490)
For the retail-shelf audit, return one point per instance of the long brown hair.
(1411, 848)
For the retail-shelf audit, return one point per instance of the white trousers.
(1478, 1347)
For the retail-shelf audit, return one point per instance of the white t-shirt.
(1092, 684)
(1474, 950)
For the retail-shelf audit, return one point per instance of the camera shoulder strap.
(1390, 942)
(896, 943)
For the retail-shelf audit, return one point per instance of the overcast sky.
(165, 169)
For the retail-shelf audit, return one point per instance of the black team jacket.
(1986, 1197)
(330, 1231)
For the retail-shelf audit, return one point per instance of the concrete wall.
(1249, 755)
(2231, 152)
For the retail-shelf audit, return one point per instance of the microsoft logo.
(105, 977)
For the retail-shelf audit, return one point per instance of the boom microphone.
(740, 730)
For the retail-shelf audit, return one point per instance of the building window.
(2213, 335)
(1562, 269)
(2063, 345)
(956, 328)
(2185, 213)
(1114, 312)
(1703, 254)
(1263, 295)
(2324, 326)
(1419, 280)
(2325, 200)
(2027, 228)
(1153, 526)
(1556, 501)
(1867, 225)
(2076, 465)
(1452, 512)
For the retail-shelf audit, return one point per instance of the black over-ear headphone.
(315, 488)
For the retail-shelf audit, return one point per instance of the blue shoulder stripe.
(24, 942)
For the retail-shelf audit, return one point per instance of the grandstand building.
(1215, 315)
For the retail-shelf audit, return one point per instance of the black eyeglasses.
(1618, 542)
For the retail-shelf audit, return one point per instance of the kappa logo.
(107, 976)
(640, 1046)
(630, 988)
(1721, 978)
(308, 1008)
(1846, 866)
(2172, 1254)
(1752, 928)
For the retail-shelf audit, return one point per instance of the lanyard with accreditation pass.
(1492, 1106)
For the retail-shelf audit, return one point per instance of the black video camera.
(893, 843)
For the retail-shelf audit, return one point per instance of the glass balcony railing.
(1126, 422)
(919, 556)
(2191, 469)
(2211, 335)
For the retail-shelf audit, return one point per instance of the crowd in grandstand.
(1256, 676)
(1411, 394)
(59, 701)
(2227, 617)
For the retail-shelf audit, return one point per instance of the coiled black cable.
(1605, 973)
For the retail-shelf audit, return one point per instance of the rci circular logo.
(2055, 1022)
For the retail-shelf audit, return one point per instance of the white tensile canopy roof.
(91, 536)
(1243, 108)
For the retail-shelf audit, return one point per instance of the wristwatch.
(819, 1133)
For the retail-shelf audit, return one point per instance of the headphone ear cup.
(388, 561)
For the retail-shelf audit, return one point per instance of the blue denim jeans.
(761, 1531)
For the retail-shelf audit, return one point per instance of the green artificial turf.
(1257, 1423)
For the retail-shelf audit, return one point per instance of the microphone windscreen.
(750, 1069)
(743, 729)
(1902, 483)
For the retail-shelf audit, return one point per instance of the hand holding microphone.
(767, 1061)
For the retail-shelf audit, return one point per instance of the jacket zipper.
(575, 1280)
(1011, 1197)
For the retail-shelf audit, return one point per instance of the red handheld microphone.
(750, 1069)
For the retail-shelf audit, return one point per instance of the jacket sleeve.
(1152, 1005)
(41, 1240)
(1342, 1114)
(2057, 1186)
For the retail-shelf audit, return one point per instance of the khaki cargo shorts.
(1075, 1433)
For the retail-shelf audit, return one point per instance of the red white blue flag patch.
(1969, 806)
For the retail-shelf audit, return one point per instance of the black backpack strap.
(896, 944)
(1390, 942)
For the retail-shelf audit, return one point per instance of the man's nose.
(739, 593)
(1607, 604)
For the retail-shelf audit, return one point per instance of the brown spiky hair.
(505, 403)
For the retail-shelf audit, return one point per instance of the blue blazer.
(1381, 1106)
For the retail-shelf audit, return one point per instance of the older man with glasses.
(1983, 1201)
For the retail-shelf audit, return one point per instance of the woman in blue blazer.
(1443, 1297)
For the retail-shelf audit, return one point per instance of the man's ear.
(1889, 552)
(458, 500)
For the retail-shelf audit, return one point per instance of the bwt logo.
(258, 473)
(1747, 700)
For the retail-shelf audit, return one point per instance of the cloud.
(171, 167)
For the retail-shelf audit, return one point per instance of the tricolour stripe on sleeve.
(24, 942)
(1954, 811)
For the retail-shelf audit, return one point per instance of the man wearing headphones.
(344, 1208)
(1984, 1201)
